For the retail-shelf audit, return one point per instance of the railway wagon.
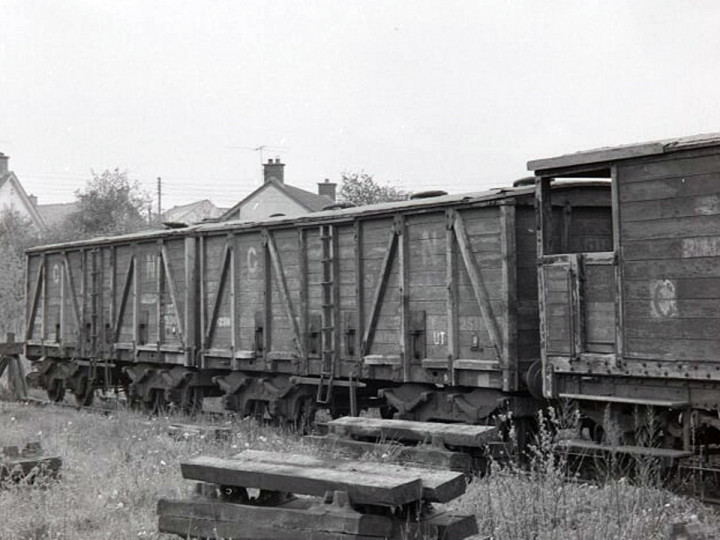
(637, 324)
(427, 308)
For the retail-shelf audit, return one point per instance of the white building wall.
(11, 199)
(267, 202)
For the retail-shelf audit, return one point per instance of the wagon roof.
(603, 157)
(494, 196)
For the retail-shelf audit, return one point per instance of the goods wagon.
(637, 323)
(426, 309)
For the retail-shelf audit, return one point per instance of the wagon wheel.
(191, 399)
(85, 397)
(304, 415)
(84, 394)
(157, 404)
(56, 390)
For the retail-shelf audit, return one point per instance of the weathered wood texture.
(302, 520)
(194, 431)
(292, 473)
(404, 430)
(670, 235)
(298, 519)
(437, 486)
(427, 455)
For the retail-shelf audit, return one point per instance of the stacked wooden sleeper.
(305, 497)
(28, 464)
(452, 447)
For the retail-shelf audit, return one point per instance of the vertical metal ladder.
(95, 300)
(329, 274)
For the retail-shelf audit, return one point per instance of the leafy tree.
(110, 204)
(361, 189)
(16, 235)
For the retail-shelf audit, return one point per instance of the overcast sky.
(425, 95)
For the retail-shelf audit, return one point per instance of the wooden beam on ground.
(406, 430)
(27, 464)
(437, 486)
(424, 454)
(193, 431)
(291, 473)
(298, 519)
(452, 526)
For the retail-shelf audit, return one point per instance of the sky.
(453, 95)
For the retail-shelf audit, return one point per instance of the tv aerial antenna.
(262, 150)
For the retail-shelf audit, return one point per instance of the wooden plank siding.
(670, 234)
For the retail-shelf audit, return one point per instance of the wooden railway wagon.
(637, 324)
(426, 308)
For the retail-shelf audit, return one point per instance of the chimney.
(3, 164)
(274, 170)
(33, 200)
(327, 188)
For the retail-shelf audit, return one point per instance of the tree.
(16, 235)
(110, 204)
(361, 189)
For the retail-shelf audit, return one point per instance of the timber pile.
(193, 431)
(27, 464)
(422, 443)
(259, 495)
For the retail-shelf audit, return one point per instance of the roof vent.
(277, 214)
(524, 182)
(428, 194)
(338, 206)
(174, 224)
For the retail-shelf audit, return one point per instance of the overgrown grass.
(545, 499)
(116, 467)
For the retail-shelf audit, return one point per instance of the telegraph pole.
(159, 189)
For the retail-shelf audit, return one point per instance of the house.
(54, 214)
(275, 197)
(192, 213)
(14, 198)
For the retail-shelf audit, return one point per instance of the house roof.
(29, 206)
(54, 214)
(192, 213)
(312, 202)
